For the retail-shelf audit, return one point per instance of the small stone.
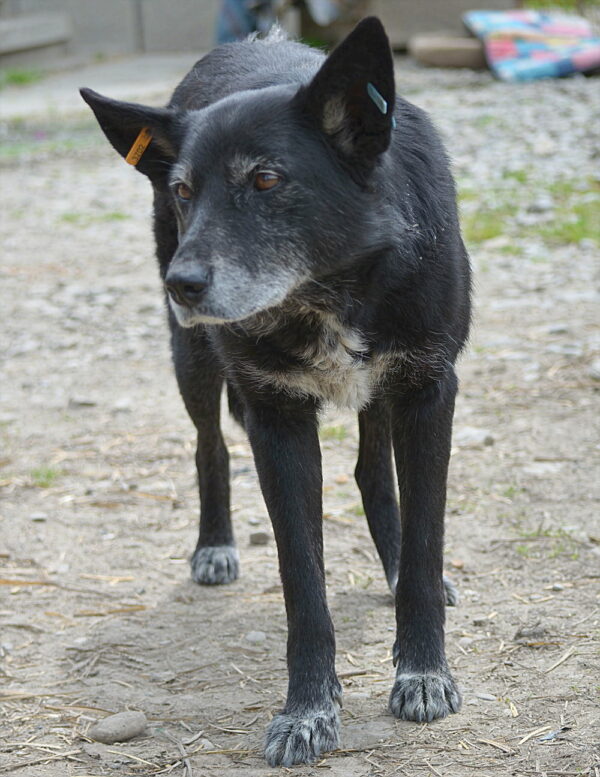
(486, 696)
(558, 587)
(541, 204)
(543, 468)
(465, 642)
(123, 405)
(471, 437)
(558, 329)
(38, 517)
(82, 402)
(256, 636)
(259, 538)
(481, 620)
(594, 370)
(118, 728)
(206, 744)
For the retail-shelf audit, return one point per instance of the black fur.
(311, 252)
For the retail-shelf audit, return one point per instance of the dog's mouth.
(188, 317)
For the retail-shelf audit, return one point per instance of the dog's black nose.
(186, 287)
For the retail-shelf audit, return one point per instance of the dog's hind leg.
(421, 429)
(200, 380)
(284, 438)
(375, 478)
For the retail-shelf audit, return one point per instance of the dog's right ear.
(147, 138)
(351, 97)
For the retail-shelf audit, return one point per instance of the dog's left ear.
(352, 95)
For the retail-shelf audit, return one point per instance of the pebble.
(486, 696)
(38, 517)
(594, 370)
(118, 728)
(471, 437)
(259, 538)
(543, 468)
(256, 636)
(82, 402)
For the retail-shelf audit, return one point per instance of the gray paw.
(215, 566)
(301, 739)
(451, 591)
(424, 697)
(452, 596)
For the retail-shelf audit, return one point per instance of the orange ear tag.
(140, 144)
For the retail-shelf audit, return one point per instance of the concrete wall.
(109, 27)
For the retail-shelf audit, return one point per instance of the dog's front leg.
(286, 449)
(422, 428)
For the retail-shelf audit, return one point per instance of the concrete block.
(185, 25)
(23, 33)
(445, 50)
(100, 27)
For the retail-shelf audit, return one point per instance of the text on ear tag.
(140, 144)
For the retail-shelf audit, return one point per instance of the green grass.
(486, 224)
(18, 77)
(333, 433)
(44, 477)
(566, 5)
(82, 219)
(578, 222)
(521, 176)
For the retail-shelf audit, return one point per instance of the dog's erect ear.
(150, 152)
(352, 95)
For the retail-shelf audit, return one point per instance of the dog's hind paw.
(452, 596)
(302, 738)
(450, 590)
(424, 697)
(215, 565)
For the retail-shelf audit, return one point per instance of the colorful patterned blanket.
(524, 45)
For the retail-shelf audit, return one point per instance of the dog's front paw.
(302, 738)
(215, 565)
(424, 697)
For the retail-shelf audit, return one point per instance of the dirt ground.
(99, 503)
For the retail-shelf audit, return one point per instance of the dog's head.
(269, 187)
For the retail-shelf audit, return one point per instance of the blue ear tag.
(377, 98)
(379, 101)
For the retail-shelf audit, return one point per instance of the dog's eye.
(183, 191)
(265, 179)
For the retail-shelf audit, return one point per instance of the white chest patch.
(334, 368)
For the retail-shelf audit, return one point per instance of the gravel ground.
(99, 506)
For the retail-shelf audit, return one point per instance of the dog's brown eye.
(264, 180)
(183, 191)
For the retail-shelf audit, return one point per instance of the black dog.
(309, 244)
